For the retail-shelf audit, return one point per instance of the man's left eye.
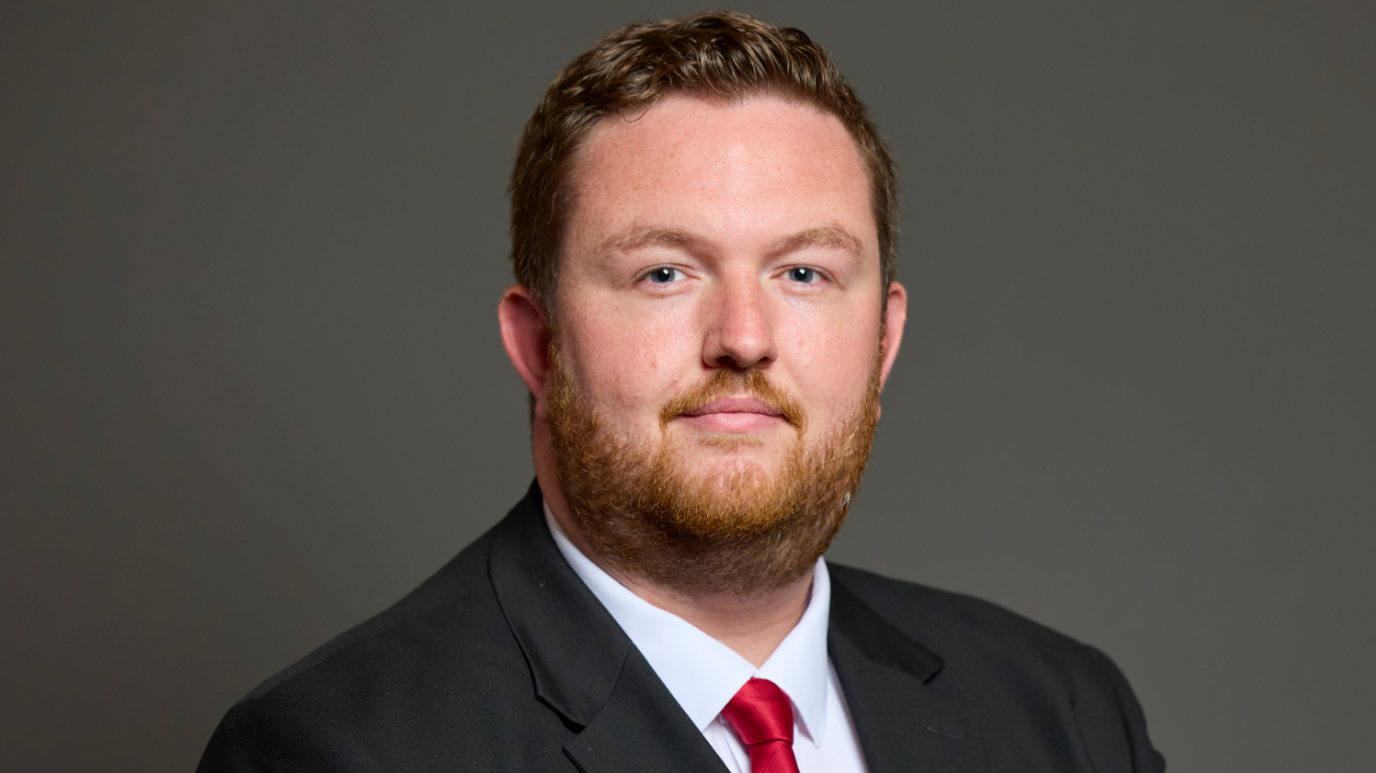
(664, 275)
(803, 275)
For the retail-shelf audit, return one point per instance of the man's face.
(710, 238)
(706, 408)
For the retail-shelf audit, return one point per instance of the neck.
(753, 625)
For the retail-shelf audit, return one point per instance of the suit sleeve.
(1112, 725)
(278, 734)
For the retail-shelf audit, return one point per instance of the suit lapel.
(903, 724)
(641, 727)
(582, 664)
(584, 667)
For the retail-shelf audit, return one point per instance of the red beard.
(739, 532)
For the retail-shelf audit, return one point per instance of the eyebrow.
(639, 237)
(828, 237)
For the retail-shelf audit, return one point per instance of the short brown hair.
(715, 55)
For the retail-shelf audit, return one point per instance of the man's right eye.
(664, 275)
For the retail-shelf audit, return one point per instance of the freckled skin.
(739, 179)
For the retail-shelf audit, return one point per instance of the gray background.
(251, 388)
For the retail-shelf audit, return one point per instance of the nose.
(739, 334)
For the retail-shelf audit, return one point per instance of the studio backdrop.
(251, 387)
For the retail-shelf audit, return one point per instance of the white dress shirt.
(703, 674)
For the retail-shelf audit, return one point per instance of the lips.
(734, 405)
(734, 415)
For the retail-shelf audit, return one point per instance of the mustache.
(727, 383)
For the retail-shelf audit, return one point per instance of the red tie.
(763, 718)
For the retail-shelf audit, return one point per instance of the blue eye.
(663, 275)
(802, 274)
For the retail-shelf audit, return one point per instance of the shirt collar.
(702, 673)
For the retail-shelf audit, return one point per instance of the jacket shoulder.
(944, 619)
(436, 676)
(1015, 671)
(453, 606)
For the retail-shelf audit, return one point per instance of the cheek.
(632, 362)
(832, 359)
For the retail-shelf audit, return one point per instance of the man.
(703, 225)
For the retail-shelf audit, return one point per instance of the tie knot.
(761, 712)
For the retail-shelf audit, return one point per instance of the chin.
(740, 465)
(744, 491)
(726, 441)
(735, 477)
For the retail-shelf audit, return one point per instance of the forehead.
(727, 169)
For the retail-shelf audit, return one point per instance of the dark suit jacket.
(504, 660)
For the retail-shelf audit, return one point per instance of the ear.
(896, 314)
(895, 317)
(525, 334)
